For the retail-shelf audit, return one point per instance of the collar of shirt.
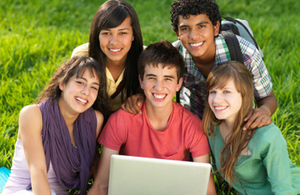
(222, 55)
(111, 83)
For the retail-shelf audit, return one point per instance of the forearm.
(39, 182)
(267, 104)
(211, 190)
(98, 190)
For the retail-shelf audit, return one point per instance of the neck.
(115, 67)
(226, 128)
(159, 117)
(68, 116)
(205, 63)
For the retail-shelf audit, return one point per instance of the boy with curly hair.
(197, 25)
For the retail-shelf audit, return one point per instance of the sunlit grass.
(36, 36)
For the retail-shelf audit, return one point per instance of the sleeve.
(185, 95)
(114, 133)
(277, 162)
(261, 79)
(196, 140)
(81, 50)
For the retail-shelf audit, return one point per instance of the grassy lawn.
(35, 37)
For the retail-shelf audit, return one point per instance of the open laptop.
(149, 176)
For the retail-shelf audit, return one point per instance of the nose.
(85, 90)
(159, 85)
(113, 39)
(217, 97)
(194, 34)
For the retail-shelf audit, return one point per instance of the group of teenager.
(56, 148)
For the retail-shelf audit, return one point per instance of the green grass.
(35, 37)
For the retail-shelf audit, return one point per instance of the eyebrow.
(108, 29)
(95, 83)
(165, 76)
(184, 25)
(150, 75)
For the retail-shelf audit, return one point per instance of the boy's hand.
(258, 117)
(133, 103)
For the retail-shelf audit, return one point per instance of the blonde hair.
(238, 139)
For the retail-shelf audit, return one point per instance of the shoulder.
(100, 119)
(31, 111)
(81, 50)
(266, 137)
(177, 44)
(120, 116)
(186, 115)
(270, 132)
(30, 119)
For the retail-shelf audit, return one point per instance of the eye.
(104, 33)
(226, 91)
(183, 29)
(123, 33)
(79, 82)
(95, 88)
(212, 92)
(201, 26)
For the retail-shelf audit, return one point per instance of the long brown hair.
(238, 139)
(77, 66)
(110, 15)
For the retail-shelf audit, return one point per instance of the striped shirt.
(193, 92)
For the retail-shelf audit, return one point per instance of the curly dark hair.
(185, 8)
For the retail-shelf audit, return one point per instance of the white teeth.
(220, 108)
(115, 50)
(196, 44)
(159, 96)
(81, 100)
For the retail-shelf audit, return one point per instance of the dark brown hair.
(162, 52)
(77, 66)
(110, 15)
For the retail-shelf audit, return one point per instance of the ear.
(179, 84)
(132, 39)
(141, 82)
(217, 28)
(176, 32)
(61, 86)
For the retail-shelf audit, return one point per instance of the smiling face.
(116, 42)
(226, 102)
(196, 33)
(79, 94)
(160, 85)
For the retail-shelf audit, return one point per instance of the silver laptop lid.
(148, 176)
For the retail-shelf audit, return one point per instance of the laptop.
(149, 176)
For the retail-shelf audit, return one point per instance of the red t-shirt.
(133, 135)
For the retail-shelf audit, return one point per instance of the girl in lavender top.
(57, 136)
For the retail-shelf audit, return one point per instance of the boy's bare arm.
(261, 116)
(133, 103)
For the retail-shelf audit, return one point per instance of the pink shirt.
(134, 135)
